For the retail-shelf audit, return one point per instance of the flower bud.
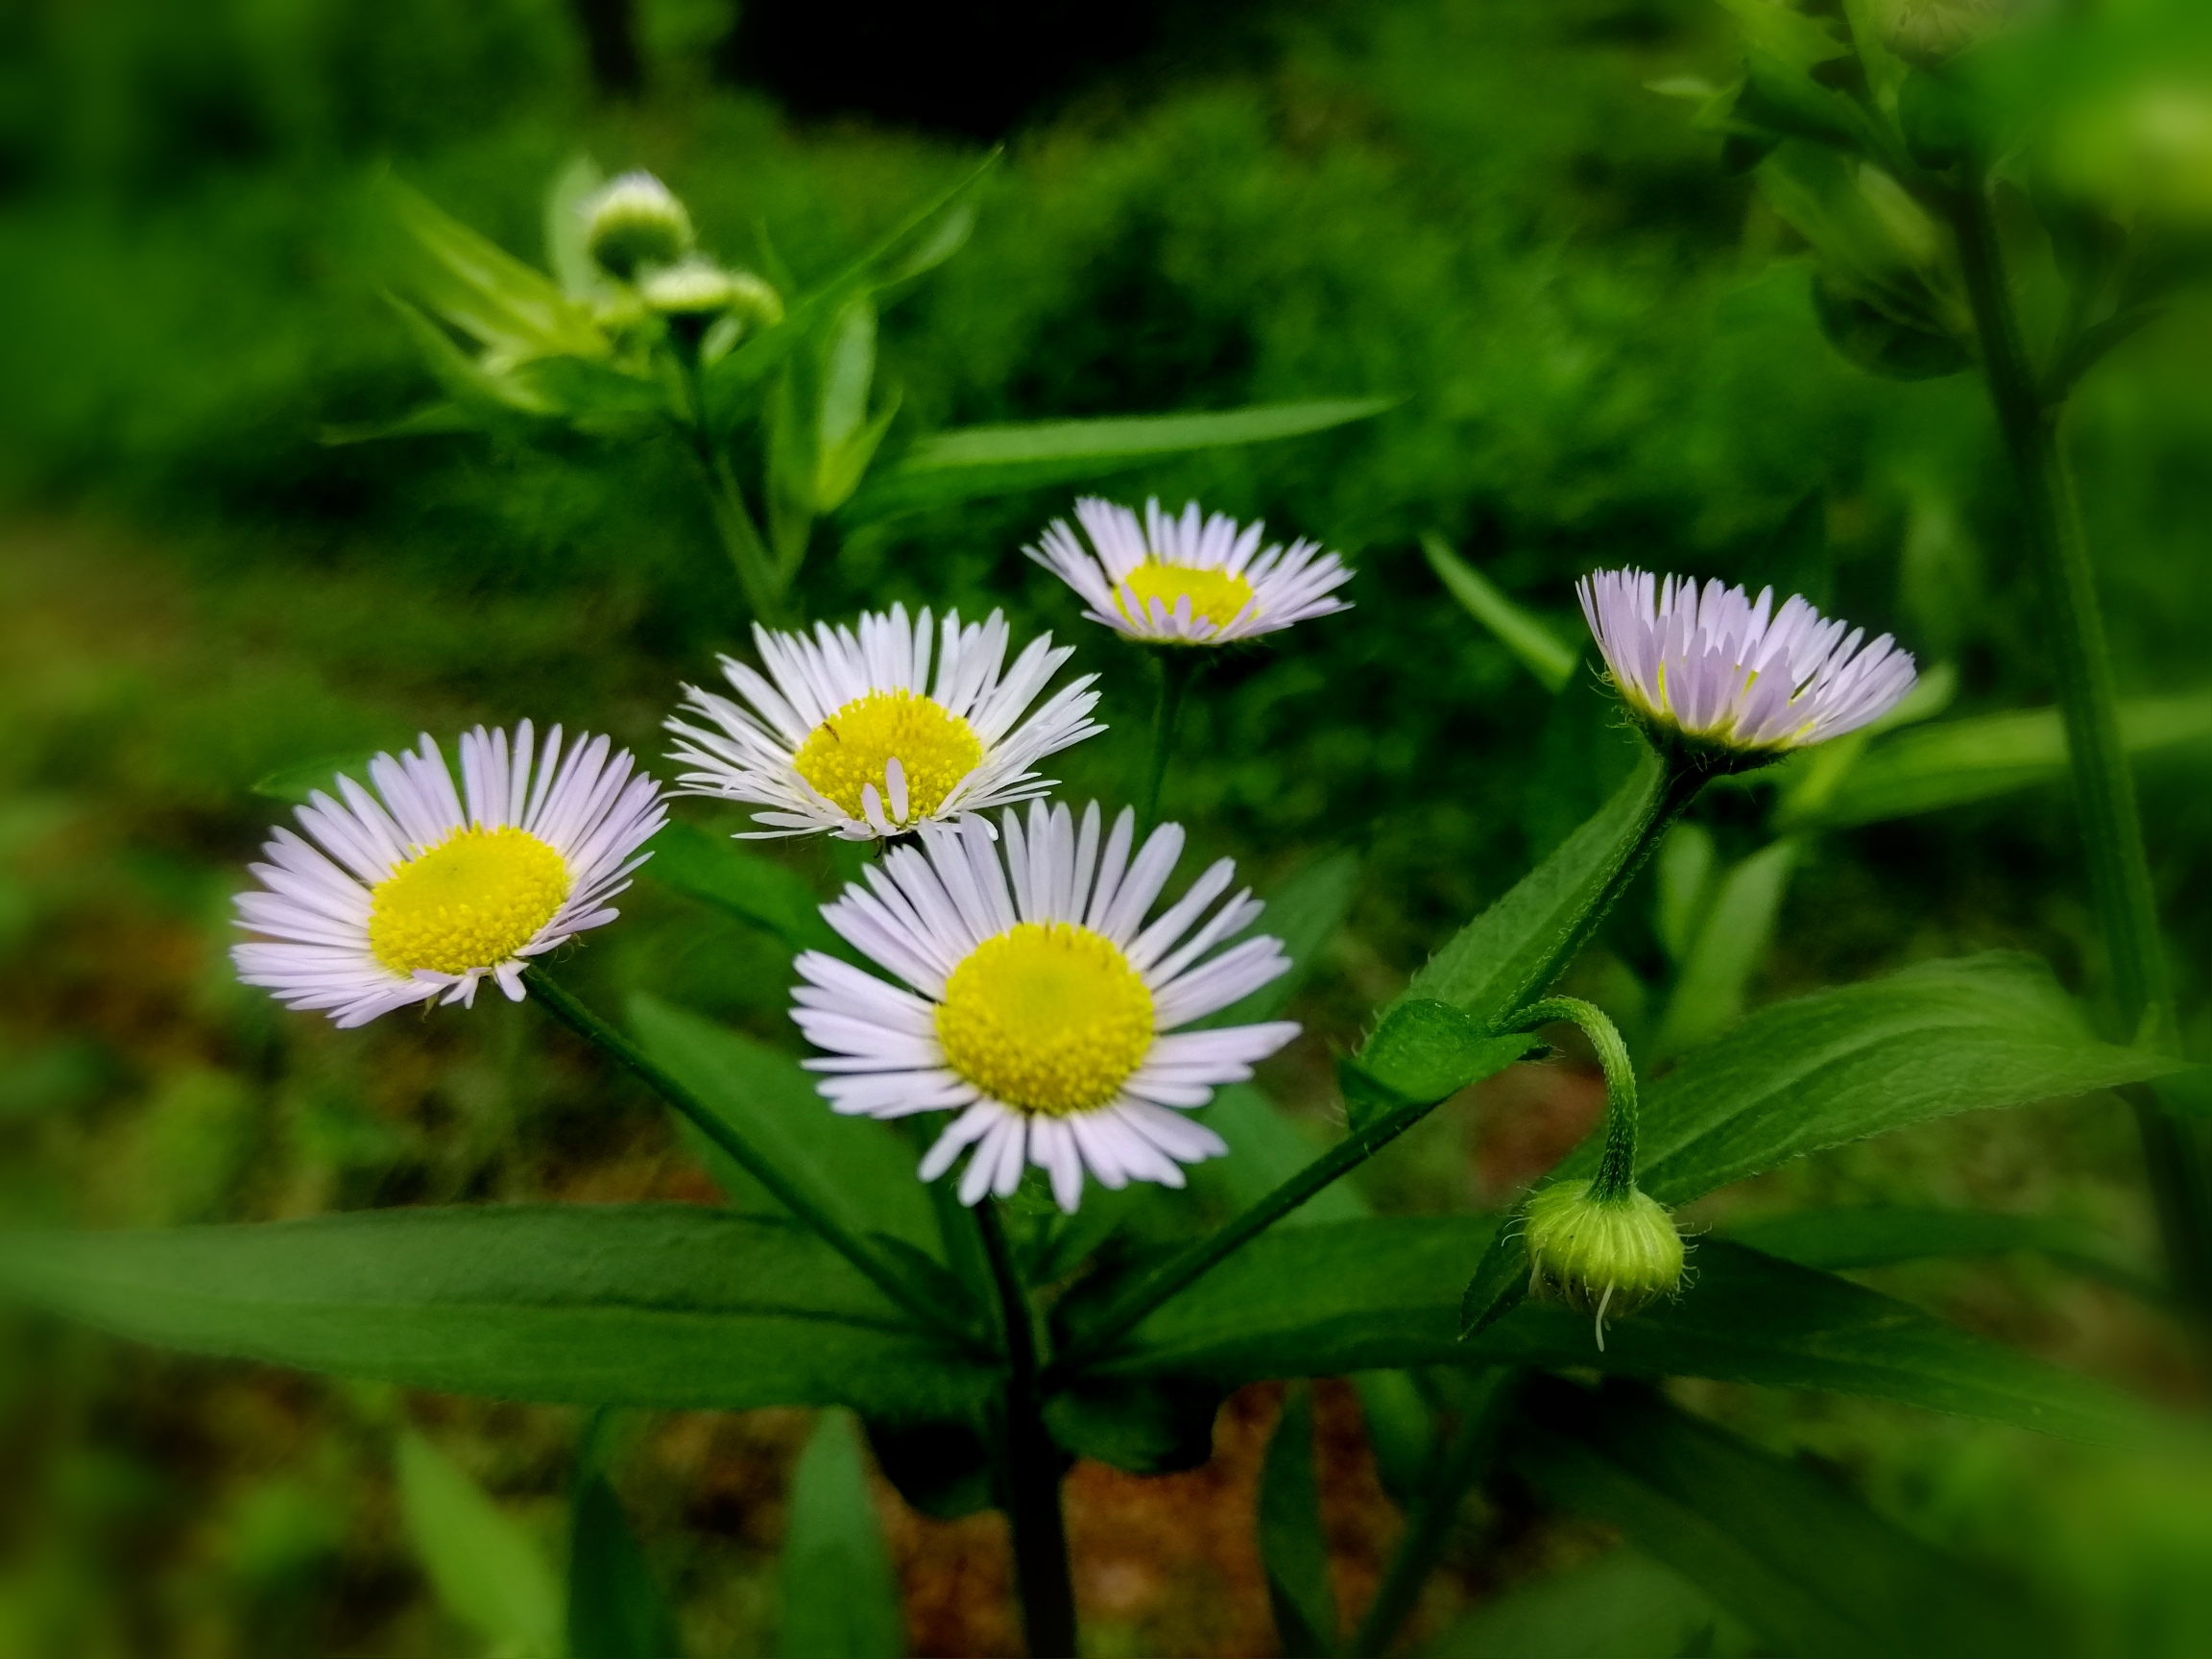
(1600, 1256)
(697, 287)
(1928, 33)
(635, 221)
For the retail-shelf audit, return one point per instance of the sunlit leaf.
(840, 1599)
(673, 1306)
(488, 1572)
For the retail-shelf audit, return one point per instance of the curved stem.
(1027, 1463)
(886, 1276)
(1179, 665)
(1616, 1176)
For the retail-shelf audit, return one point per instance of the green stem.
(1430, 1526)
(2103, 781)
(758, 573)
(1616, 1176)
(1179, 665)
(1125, 1310)
(1028, 1463)
(882, 1273)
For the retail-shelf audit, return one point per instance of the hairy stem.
(1027, 1463)
(2103, 781)
(886, 1275)
(1616, 1176)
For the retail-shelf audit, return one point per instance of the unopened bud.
(701, 288)
(1928, 33)
(633, 222)
(1605, 1256)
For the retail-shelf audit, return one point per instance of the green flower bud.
(1600, 1256)
(1928, 33)
(635, 221)
(697, 287)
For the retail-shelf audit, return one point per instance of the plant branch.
(886, 1275)
(1027, 1461)
(1616, 1176)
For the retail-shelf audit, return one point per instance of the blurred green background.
(1607, 354)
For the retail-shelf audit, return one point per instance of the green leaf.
(1962, 761)
(980, 461)
(1683, 869)
(480, 288)
(1384, 1294)
(1728, 947)
(1304, 912)
(1401, 1431)
(859, 1169)
(487, 1572)
(1291, 1546)
(567, 254)
(616, 1608)
(294, 784)
(1267, 1147)
(840, 1598)
(673, 1306)
(1532, 643)
(1153, 1426)
(1930, 1041)
(498, 400)
(1837, 1240)
(718, 870)
(1787, 1550)
(1623, 1605)
(1785, 34)
(1492, 965)
(1422, 1050)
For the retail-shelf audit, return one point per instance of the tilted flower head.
(697, 287)
(1735, 681)
(1037, 1002)
(1188, 581)
(414, 896)
(1600, 1256)
(633, 221)
(852, 738)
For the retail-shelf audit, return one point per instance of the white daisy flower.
(851, 737)
(1185, 581)
(1741, 682)
(1037, 1002)
(413, 897)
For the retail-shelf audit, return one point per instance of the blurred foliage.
(1611, 349)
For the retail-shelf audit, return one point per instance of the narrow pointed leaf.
(976, 462)
(1726, 950)
(674, 1306)
(1291, 1546)
(487, 1570)
(1623, 1605)
(616, 1607)
(1550, 658)
(480, 288)
(840, 1598)
(1798, 1558)
(1876, 1237)
(1360, 1295)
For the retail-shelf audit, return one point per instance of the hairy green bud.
(635, 222)
(1605, 1256)
(701, 288)
(1929, 33)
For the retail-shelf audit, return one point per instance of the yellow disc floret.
(470, 901)
(847, 751)
(1215, 596)
(1048, 1017)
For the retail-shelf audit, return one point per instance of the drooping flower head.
(420, 891)
(1188, 581)
(634, 221)
(848, 734)
(1731, 679)
(1035, 1000)
(1601, 1255)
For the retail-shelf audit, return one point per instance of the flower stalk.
(1179, 667)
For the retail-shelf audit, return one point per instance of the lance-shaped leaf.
(859, 1169)
(480, 288)
(1622, 1603)
(1530, 639)
(968, 464)
(1878, 1236)
(1798, 1558)
(1358, 1295)
(672, 1306)
(488, 1572)
(1726, 948)
(616, 1608)
(1291, 1546)
(1495, 962)
(840, 1599)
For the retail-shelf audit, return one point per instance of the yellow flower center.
(1215, 596)
(847, 751)
(470, 901)
(1047, 1016)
